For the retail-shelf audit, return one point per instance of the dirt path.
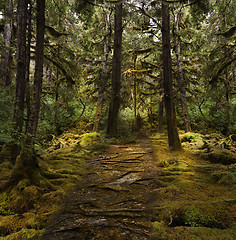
(114, 200)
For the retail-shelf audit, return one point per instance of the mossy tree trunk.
(173, 136)
(26, 163)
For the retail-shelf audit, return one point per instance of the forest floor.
(137, 190)
(113, 200)
(196, 199)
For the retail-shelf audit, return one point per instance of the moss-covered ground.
(25, 208)
(191, 193)
(197, 199)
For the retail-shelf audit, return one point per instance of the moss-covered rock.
(222, 156)
(92, 141)
(192, 140)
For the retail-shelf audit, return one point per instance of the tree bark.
(173, 137)
(27, 90)
(227, 93)
(112, 127)
(182, 87)
(21, 65)
(5, 71)
(103, 77)
(161, 109)
(38, 74)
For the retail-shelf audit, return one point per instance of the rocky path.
(114, 200)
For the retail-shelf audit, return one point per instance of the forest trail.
(113, 200)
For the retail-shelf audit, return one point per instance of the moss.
(159, 230)
(27, 167)
(190, 137)
(4, 205)
(23, 234)
(35, 221)
(223, 156)
(92, 141)
(198, 200)
(195, 218)
(226, 176)
(192, 233)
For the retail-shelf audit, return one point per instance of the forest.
(118, 119)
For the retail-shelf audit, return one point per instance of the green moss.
(223, 156)
(195, 218)
(226, 176)
(190, 137)
(4, 205)
(92, 141)
(23, 234)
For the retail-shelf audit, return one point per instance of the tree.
(38, 74)
(5, 71)
(26, 164)
(21, 65)
(173, 137)
(104, 72)
(116, 74)
(181, 76)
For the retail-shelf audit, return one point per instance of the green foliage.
(194, 218)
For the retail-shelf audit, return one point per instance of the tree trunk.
(182, 88)
(173, 137)
(5, 72)
(21, 65)
(38, 74)
(57, 84)
(26, 163)
(227, 92)
(27, 92)
(161, 109)
(116, 74)
(103, 77)
(135, 97)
